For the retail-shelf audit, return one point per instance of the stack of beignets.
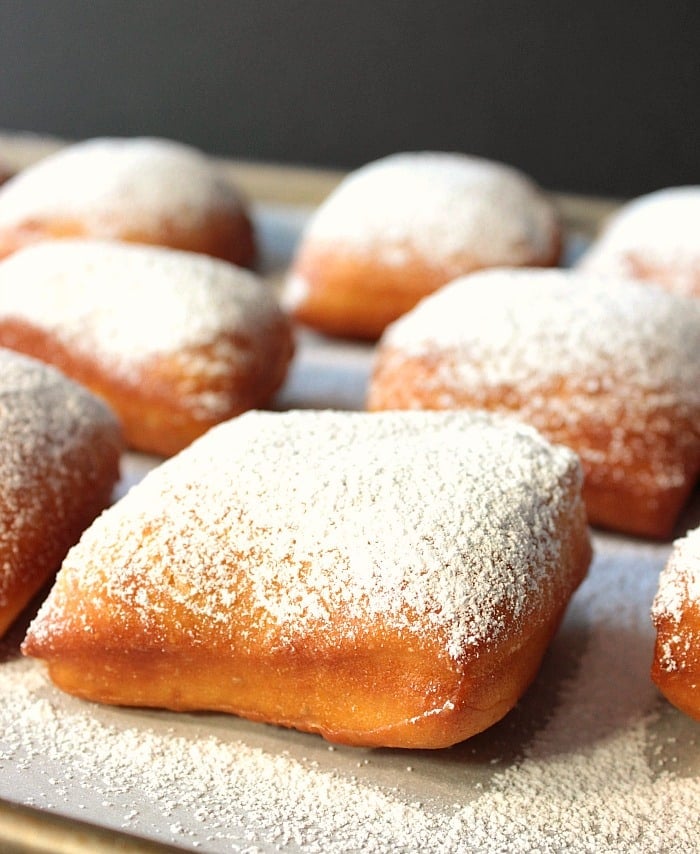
(59, 460)
(608, 367)
(655, 237)
(388, 579)
(174, 341)
(401, 227)
(676, 615)
(138, 190)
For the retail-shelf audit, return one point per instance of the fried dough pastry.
(59, 460)
(383, 580)
(676, 616)
(655, 237)
(608, 367)
(401, 227)
(175, 342)
(138, 190)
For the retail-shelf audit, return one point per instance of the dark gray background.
(600, 97)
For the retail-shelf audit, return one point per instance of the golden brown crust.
(46, 537)
(634, 494)
(679, 642)
(392, 677)
(345, 292)
(154, 402)
(378, 687)
(54, 486)
(399, 228)
(222, 234)
(381, 690)
(675, 613)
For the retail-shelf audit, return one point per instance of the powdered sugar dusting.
(42, 415)
(431, 522)
(659, 232)
(680, 580)
(520, 327)
(126, 303)
(586, 781)
(442, 206)
(116, 184)
(575, 347)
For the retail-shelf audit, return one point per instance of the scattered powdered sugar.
(587, 780)
(444, 523)
(659, 231)
(522, 327)
(125, 303)
(445, 207)
(43, 416)
(137, 184)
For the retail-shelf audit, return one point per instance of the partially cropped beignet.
(59, 460)
(654, 237)
(175, 342)
(606, 366)
(386, 579)
(676, 615)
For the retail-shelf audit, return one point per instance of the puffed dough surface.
(383, 580)
(608, 367)
(59, 460)
(400, 227)
(138, 190)
(174, 341)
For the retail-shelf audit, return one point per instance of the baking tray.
(591, 759)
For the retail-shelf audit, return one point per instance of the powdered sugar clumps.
(124, 303)
(117, 184)
(523, 327)
(444, 207)
(446, 523)
(657, 233)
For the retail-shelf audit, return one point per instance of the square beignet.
(402, 226)
(608, 367)
(59, 461)
(383, 580)
(175, 342)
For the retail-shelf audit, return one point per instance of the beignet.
(174, 341)
(676, 616)
(401, 227)
(608, 367)
(138, 190)
(655, 237)
(386, 579)
(59, 460)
